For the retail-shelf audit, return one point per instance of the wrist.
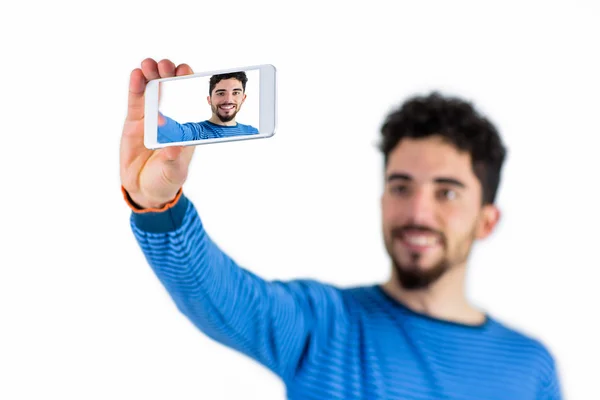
(144, 204)
(140, 204)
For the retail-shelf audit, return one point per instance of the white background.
(82, 315)
(185, 100)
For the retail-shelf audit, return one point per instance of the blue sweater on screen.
(330, 343)
(173, 131)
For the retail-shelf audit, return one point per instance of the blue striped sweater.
(326, 342)
(172, 131)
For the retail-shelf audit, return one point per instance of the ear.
(208, 100)
(488, 220)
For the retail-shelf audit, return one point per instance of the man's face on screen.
(226, 99)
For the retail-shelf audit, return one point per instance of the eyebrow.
(223, 90)
(442, 179)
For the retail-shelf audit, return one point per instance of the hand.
(152, 178)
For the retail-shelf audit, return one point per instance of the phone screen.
(209, 107)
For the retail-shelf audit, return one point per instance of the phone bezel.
(267, 107)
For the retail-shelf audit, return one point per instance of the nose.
(229, 98)
(421, 207)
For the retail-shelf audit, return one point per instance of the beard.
(225, 118)
(411, 275)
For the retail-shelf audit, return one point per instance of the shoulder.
(519, 337)
(325, 300)
(313, 291)
(318, 289)
(205, 124)
(531, 351)
(247, 128)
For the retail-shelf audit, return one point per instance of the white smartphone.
(211, 107)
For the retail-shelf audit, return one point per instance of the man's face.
(226, 99)
(431, 210)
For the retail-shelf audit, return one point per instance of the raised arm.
(273, 322)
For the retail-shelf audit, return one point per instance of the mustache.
(399, 231)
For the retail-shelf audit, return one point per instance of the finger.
(171, 153)
(176, 162)
(150, 69)
(166, 68)
(186, 154)
(135, 103)
(182, 154)
(183, 69)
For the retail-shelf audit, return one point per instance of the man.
(227, 93)
(415, 336)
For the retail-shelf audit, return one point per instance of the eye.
(399, 189)
(447, 194)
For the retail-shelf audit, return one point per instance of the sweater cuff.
(153, 220)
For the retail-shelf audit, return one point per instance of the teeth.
(421, 240)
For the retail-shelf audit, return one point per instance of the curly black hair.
(240, 76)
(457, 122)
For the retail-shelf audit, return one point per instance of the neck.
(445, 299)
(215, 120)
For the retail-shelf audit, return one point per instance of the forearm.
(268, 321)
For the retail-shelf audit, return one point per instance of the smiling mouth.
(420, 241)
(227, 107)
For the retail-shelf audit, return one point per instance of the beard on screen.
(223, 116)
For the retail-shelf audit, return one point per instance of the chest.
(411, 363)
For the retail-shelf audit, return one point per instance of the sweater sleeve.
(273, 322)
(173, 131)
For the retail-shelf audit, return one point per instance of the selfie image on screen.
(209, 107)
